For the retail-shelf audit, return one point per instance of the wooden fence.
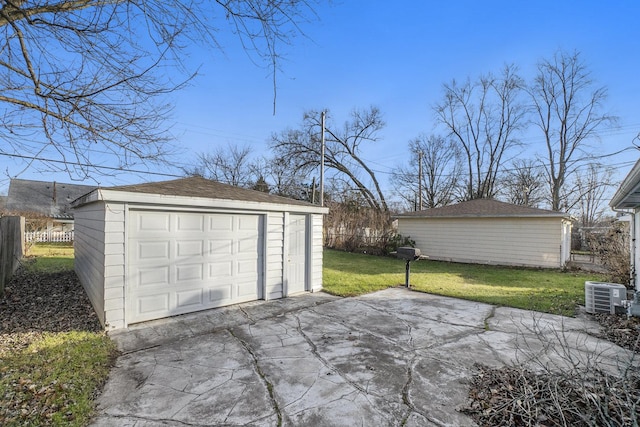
(11, 229)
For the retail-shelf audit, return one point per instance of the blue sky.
(396, 56)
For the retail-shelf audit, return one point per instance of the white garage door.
(181, 262)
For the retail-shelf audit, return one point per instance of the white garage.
(160, 249)
(485, 231)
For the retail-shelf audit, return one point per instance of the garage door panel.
(154, 222)
(156, 276)
(189, 248)
(220, 223)
(221, 247)
(152, 304)
(221, 269)
(189, 272)
(189, 222)
(247, 245)
(218, 296)
(189, 298)
(248, 268)
(153, 250)
(247, 223)
(175, 269)
(245, 290)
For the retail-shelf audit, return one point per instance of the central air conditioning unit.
(601, 297)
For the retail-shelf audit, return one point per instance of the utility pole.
(322, 118)
(419, 180)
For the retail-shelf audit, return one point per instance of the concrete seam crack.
(325, 362)
(262, 376)
(365, 331)
(156, 420)
(244, 312)
(314, 350)
(492, 313)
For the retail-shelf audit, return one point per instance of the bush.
(612, 247)
(397, 241)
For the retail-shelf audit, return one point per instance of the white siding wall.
(505, 241)
(635, 248)
(274, 255)
(99, 259)
(100, 250)
(315, 279)
(114, 265)
(89, 253)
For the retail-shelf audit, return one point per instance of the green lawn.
(49, 257)
(54, 379)
(551, 291)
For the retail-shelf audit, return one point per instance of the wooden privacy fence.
(48, 236)
(11, 229)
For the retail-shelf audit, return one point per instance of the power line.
(113, 168)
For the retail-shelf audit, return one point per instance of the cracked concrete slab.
(394, 357)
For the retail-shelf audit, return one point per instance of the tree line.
(477, 151)
(87, 79)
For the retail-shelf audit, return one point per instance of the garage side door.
(179, 262)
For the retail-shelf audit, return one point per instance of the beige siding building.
(155, 250)
(490, 232)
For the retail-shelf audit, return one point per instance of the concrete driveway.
(394, 357)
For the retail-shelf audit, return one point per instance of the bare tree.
(85, 79)
(285, 180)
(568, 110)
(523, 182)
(440, 172)
(483, 117)
(231, 165)
(343, 152)
(589, 190)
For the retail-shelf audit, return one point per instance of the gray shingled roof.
(51, 199)
(201, 187)
(483, 208)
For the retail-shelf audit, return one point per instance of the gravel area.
(38, 303)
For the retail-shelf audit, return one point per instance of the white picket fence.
(48, 236)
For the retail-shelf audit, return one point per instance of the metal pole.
(322, 162)
(419, 180)
(406, 274)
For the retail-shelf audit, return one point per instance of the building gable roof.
(51, 199)
(204, 188)
(628, 194)
(487, 208)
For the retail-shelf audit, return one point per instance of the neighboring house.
(46, 200)
(3, 203)
(490, 232)
(627, 200)
(154, 250)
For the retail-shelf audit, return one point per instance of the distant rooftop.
(483, 208)
(51, 199)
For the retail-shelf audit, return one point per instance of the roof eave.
(628, 194)
(558, 215)
(137, 198)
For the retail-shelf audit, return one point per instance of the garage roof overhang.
(137, 198)
(628, 194)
